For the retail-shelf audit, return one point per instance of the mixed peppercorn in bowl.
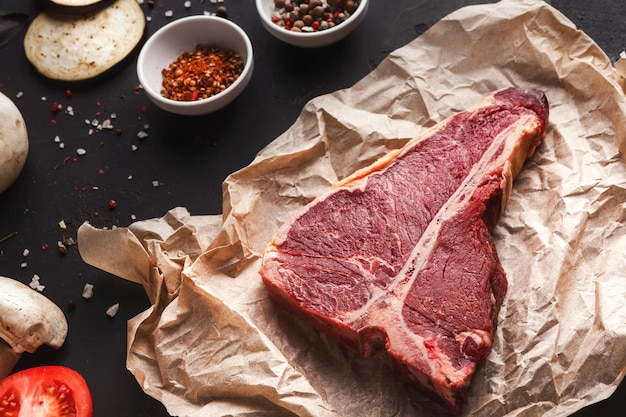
(311, 23)
(195, 65)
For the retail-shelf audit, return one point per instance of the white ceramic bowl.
(326, 37)
(183, 35)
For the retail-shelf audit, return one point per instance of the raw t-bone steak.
(399, 255)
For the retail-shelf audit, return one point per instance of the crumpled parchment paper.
(213, 344)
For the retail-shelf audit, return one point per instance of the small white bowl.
(184, 35)
(318, 39)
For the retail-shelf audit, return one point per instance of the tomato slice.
(50, 391)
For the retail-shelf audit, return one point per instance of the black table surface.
(182, 162)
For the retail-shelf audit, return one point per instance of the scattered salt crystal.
(142, 134)
(169, 13)
(187, 4)
(43, 98)
(25, 253)
(81, 151)
(23, 265)
(87, 121)
(133, 217)
(19, 94)
(62, 225)
(133, 148)
(57, 139)
(88, 291)
(130, 177)
(35, 284)
(62, 145)
(112, 311)
(113, 115)
(155, 183)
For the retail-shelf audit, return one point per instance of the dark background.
(186, 157)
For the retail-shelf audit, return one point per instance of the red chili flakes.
(112, 204)
(143, 109)
(53, 122)
(55, 107)
(68, 93)
(118, 132)
(201, 74)
(44, 246)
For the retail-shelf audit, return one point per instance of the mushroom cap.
(28, 319)
(13, 142)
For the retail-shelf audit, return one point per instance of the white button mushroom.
(13, 142)
(28, 319)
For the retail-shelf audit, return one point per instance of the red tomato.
(49, 391)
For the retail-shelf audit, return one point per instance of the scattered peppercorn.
(312, 15)
(112, 204)
(201, 74)
(222, 11)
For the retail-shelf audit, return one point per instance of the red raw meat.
(400, 255)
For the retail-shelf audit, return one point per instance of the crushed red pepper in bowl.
(201, 74)
(195, 65)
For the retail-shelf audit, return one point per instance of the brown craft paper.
(212, 344)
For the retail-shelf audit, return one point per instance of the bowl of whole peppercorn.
(195, 65)
(311, 23)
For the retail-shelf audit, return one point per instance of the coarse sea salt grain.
(88, 291)
(35, 283)
(112, 311)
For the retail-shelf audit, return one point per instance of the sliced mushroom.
(28, 319)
